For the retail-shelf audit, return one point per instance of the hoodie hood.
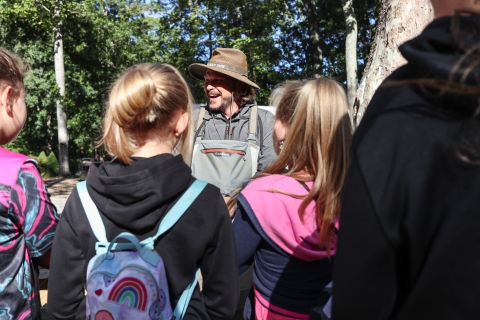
(439, 52)
(137, 196)
(278, 217)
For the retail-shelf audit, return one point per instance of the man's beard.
(223, 106)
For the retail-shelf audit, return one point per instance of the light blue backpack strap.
(168, 221)
(92, 213)
(182, 304)
(180, 207)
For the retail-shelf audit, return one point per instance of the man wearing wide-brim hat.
(233, 138)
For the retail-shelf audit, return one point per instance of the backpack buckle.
(101, 247)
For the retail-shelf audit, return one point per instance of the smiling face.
(218, 89)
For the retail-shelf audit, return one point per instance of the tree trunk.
(351, 53)
(210, 39)
(316, 54)
(398, 21)
(64, 169)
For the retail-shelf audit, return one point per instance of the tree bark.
(351, 53)
(398, 21)
(64, 169)
(316, 54)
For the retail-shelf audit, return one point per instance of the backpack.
(128, 280)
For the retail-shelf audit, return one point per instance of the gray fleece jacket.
(217, 128)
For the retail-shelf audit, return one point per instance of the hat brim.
(198, 70)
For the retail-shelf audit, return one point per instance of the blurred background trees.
(283, 40)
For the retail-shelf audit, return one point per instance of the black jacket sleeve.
(360, 291)
(66, 295)
(219, 268)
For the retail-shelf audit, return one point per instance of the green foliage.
(273, 34)
(101, 39)
(42, 161)
(104, 37)
(48, 164)
(53, 165)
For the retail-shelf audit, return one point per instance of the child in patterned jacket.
(28, 218)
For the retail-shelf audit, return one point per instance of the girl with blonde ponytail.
(148, 116)
(145, 106)
(286, 217)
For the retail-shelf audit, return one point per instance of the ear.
(281, 130)
(239, 87)
(182, 123)
(5, 99)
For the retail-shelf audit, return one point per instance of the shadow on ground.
(62, 186)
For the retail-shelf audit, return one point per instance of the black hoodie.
(409, 240)
(135, 198)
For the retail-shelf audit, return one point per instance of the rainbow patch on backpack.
(130, 292)
(124, 286)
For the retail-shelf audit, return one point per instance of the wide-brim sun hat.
(231, 62)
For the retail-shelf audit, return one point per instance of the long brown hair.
(316, 147)
(12, 72)
(142, 101)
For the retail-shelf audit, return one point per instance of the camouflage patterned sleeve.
(35, 213)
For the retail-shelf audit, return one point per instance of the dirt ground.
(61, 186)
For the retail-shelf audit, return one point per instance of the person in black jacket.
(147, 116)
(409, 244)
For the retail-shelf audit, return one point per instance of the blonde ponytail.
(145, 99)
